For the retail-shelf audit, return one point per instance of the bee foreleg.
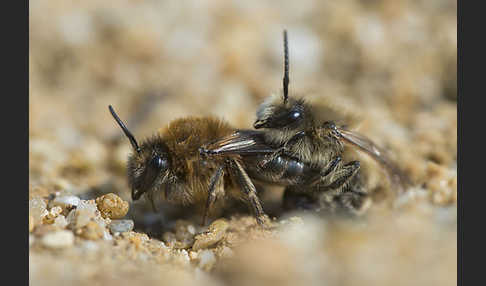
(212, 192)
(151, 198)
(250, 191)
(345, 173)
(332, 167)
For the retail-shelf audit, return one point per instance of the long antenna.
(125, 129)
(286, 68)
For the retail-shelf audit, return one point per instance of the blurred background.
(392, 63)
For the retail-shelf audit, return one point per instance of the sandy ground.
(390, 63)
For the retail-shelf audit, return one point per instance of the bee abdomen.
(283, 170)
(293, 169)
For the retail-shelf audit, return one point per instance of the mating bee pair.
(204, 160)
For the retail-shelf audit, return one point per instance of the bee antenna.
(125, 129)
(286, 68)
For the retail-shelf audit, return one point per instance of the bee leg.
(250, 191)
(150, 197)
(212, 192)
(332, 167)
(282, 149)
(330, 129)
(345, 173)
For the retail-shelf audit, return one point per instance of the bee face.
(149, 168)
(274, 113)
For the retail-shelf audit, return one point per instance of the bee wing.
(241, 142)
(366, 145)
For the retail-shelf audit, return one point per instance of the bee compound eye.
(158, 162)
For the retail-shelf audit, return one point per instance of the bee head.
(148, 168)
(275, 114)
(282, 112)
(149, 164)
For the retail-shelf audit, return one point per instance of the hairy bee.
(169, 164)
(309, 152)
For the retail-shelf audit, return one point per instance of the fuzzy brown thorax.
(177, 144)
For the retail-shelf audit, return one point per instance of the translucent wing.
(241, 142)
(366, 145)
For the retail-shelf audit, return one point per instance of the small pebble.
(169, 238)
(107, 235)
(71, 217)
(92, 231)
(181, 258)
(191, 229)
(84, 213)
(65, 202)
(214, 234)
(193, 255)
(184, 232)
(58, 239)
(138, 239)
(122, 225)
(52, 215)
(225, 252)
(37, 208)
(207, 259)
(112, 206)
(60, 222)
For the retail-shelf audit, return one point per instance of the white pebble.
(60, 221)
(107, 235)
(181, 257)
(191, 229)
(66, 201)
(192, 255)
(71, 217)
(55, 211)
(121, 225)
(58, 239)
(85, 211)
(37, 209)
(206, 259)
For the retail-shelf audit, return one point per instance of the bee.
(308, 156)
(169, 164)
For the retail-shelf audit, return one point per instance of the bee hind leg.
(250, 191)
